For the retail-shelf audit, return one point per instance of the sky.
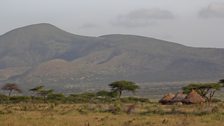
(198, 23)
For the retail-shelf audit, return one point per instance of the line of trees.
(206, 90)
(40, 92)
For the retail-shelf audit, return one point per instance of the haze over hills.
(45, 54)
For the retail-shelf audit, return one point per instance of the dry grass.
(97, 115)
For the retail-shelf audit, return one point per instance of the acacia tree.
(11, 87)
(123, 85)
(40, 91)
(206, 90)
(44, 93)
(221, 82)
(37, 89)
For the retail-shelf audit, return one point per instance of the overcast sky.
(190, 22)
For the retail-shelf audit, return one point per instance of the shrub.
(81, 98)
(17, 99)
(107, 94)
(215, 109)
(3, 98)
(215, 100)
(115, 108)
(56, 97)
(135, 99)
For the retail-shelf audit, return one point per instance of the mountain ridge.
(43, 53)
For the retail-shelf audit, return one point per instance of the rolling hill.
(44, 54)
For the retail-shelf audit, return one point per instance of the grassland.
(111, 114)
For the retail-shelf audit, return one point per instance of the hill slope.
(43, 53)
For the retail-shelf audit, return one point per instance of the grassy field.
(116, 114)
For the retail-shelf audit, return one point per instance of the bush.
(116, 108)
(3, 98)
(56, 97)
(215, 109)
(81, 98)
(107, 94)
(17, 99)
(215, 100)
(135, 99)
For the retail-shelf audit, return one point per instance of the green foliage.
(45, 92)
(56, 97)
(123, 85)
(14, 99)
(216, 100)
(206, 90)
(221, 82)
(40, 91)
(104, 93)
(201, 87)
(18, 99)
(115, 108)
(37, 89)
(3, 98)
(134, 100)
(80, 98)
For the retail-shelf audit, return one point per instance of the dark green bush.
(216, 100)
(104, 93)
(56, 97)
(17, 99)
(3, 98)
(81, 98)
(134, 100)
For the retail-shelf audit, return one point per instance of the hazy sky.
(189, 22)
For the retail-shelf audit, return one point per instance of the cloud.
(214, 10)
(142, 17)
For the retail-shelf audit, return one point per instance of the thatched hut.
(193, 98)
(167, 98)
(179, 97)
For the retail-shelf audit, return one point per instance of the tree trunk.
(211, 95)
(10, 92)
(120, 93)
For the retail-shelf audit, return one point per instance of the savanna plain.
(111, 114)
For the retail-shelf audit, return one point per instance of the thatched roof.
(179, 97)
(193, 98)
(166, 98)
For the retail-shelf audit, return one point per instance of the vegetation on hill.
(44, 53)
